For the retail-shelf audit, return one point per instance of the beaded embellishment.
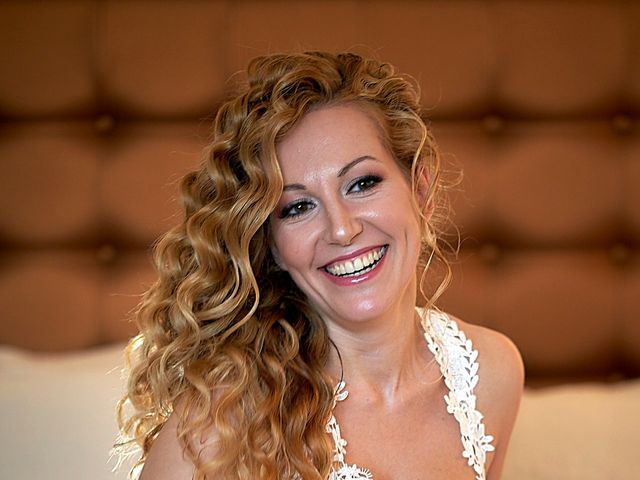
(457, 359)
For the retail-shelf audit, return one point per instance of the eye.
(295, 209)
(365, 183)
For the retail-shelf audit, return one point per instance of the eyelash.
(369, 181)
(364, 184)
(288, 210)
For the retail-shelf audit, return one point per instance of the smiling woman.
(350, 200)
(293, 278)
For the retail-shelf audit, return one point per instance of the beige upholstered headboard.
(104, 104)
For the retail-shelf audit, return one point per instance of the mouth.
(359, 265)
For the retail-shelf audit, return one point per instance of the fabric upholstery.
(105, 104)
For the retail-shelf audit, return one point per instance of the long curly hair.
(224, 333)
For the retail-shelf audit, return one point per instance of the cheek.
(290, 248)
(397, 212)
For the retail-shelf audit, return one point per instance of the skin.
(345, 194)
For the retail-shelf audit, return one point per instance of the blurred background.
(105, 104)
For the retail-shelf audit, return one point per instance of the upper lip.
(354, 254)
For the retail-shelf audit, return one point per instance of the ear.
(275, 253)
(422, 191)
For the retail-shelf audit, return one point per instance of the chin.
(364, 312)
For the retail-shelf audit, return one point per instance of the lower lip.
(347, 281)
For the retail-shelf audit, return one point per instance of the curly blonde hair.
(224, 331)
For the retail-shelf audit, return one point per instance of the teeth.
(359, 265)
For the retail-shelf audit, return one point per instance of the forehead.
(331, 135)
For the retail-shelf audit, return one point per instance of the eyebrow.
(342, 172)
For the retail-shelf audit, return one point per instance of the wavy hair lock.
(227, 341)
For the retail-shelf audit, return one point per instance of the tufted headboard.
(105, 104)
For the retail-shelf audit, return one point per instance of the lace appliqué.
(457, 359)
(344, 471)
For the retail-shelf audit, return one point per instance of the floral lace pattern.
(457, 359)
(344, 472)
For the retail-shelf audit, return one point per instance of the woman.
(284, 320)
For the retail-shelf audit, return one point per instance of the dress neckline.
(457, 360)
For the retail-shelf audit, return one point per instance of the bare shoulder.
(500, 387)
(501, 367)
(166, 460)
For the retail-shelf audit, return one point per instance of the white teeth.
(359, 265)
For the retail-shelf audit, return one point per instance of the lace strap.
(457, 359)
(344, 471)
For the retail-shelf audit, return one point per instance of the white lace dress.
(458, 363)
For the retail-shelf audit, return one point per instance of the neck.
(381, 359)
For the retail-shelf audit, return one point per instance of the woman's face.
(345, 227)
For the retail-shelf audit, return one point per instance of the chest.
(428, 438)
(421, 442)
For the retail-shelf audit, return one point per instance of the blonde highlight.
(227, 340)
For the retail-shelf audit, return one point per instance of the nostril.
(346, 232)
(343, 223)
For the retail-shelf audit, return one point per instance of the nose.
(343, 224)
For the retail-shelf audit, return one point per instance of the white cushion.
(581, 432)
(58, 419)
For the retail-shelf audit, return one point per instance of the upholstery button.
(104, 123)
(620, 254)
(107, 254)
(490, 253)
(493, 124)
(622, 124)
